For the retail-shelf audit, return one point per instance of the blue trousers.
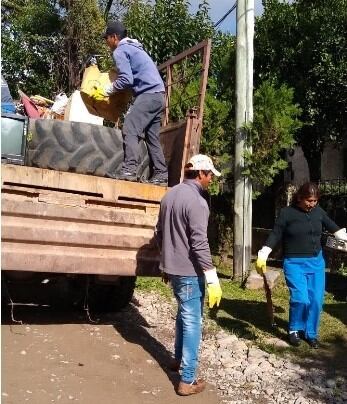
(305, 278)
(189, 292)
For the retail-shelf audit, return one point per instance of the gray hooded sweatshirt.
(136, 69)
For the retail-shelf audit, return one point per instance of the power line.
(225, 15)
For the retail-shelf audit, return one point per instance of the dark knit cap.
(115, 28)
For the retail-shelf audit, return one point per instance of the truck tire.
(104, 298)
(79, 147)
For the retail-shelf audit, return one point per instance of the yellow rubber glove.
(213, 287)
(98, 94)
(214, 294)
(260, 265)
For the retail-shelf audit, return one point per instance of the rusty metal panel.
(172, 139)
(180, 141)
(90, 239)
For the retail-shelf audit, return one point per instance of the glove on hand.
(341, 234)
(100, 93)
(109, 90)
(213, 287)
(260, 265)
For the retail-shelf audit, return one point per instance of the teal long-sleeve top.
(300, 231)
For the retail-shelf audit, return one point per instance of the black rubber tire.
(105, 298)
(78, 147)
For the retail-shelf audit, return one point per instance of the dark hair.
(307, 190)
(192, 174)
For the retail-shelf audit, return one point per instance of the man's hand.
(341, 234)
(165, 277)
(213, 288)
(98, 94)
(109, 90)
(260, 265)
(101, 93)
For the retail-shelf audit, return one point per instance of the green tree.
(272, 131)
(30, 33)
(82, 37)
(166, 27)
(303, 44)
(45, 43)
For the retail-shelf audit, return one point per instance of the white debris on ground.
(242, 372)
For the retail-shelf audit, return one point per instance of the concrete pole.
(244, 114)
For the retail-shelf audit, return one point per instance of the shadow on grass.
(246, 314)
(337, 310)
(336, 284)
(330, 357)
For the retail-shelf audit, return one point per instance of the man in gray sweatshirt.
(186, 260)
(137, 70)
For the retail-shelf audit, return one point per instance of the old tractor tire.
(79, 147)
(105, 298)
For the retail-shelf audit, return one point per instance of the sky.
(219, 7)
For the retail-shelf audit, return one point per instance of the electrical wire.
(225, 15)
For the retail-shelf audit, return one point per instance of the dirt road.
(63, 358)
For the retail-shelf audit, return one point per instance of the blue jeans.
(189, 292)
(305, 278)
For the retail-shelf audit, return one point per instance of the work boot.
(187, 389)
(158, 178)
(294, 338)
(123, 175)
(313, 343)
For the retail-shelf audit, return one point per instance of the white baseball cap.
(202, 162)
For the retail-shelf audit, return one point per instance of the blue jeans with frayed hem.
(190, 293)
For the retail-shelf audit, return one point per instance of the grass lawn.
(243, 312)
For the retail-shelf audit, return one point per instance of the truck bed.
(72, 223)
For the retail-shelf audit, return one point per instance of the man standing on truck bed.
(137, 70)
(186, 261)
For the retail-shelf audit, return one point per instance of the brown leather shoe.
(174, 365)
(186, 389)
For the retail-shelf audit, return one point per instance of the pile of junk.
(80, 106)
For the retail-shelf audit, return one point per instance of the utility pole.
(244, 115)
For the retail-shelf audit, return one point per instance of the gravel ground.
(122, 357)
(241, 372)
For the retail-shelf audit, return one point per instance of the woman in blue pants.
(300, 227)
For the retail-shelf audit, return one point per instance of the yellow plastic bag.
(109, 108)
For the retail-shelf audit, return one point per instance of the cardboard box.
(112, 107)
